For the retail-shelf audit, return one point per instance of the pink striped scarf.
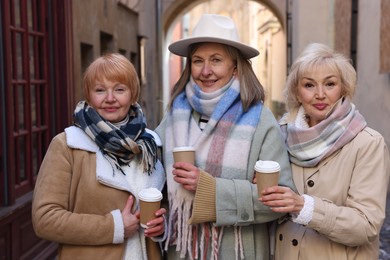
(307, 146)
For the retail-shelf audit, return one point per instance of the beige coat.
(349, 190)
(77, 201)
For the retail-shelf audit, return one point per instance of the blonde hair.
(251, 90)
(316, 56)
(113, 67)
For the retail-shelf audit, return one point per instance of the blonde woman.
(340, 165)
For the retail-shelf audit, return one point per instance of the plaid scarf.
(121, 144)
(309, 145)
(229, 132)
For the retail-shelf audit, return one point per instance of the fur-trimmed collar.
(133, 180)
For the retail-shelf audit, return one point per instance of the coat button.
(244, 216)
(294, 242)
(280, 237)
(310, 183)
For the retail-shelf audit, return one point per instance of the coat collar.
(133, 180)
(77, 139)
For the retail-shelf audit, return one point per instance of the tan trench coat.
(349, 190)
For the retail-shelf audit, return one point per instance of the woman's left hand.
(156, 227)
(186, 174)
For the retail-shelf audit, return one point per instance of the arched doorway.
(261, 24)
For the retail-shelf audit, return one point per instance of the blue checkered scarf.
(121, 144)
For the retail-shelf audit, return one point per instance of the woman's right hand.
(186, 174)
(156, 226)
(130, 220)
(282, 199)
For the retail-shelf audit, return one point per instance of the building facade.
(45, 45)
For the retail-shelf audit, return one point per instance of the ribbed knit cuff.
(306, 214)
(204, 208)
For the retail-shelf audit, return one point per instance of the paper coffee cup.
(184, 154)
(149, 203)
(267, 174)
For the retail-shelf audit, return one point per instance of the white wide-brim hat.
(214, 28)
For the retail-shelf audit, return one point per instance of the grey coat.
(237, 200)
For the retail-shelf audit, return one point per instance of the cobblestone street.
(385, 234)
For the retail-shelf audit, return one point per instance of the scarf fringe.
(179, 232)
(149, 155)
(195, 251)
(240, 243)
(206, 240)
(238, 247)
(215, 246)
(186, 238)
(113, 162)
(186, 235)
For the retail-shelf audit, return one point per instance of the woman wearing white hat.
(217, 107)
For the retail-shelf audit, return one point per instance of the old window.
(25, 94)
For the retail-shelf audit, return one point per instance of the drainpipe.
(159, 84)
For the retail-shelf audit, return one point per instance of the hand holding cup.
(185, 172)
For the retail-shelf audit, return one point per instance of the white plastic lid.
(267, 166)
(150, 195)
(183, 149)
